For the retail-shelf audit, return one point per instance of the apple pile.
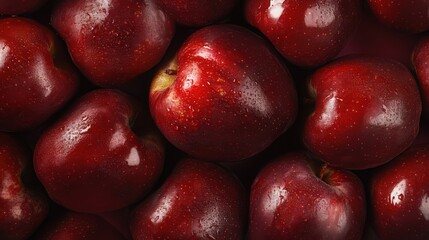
(214, 119)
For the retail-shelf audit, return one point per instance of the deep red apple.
(20, 6)
(23, 205)
(69, 225)
(367, 111)
(36, 74)
(307, 32)
(91, 161)
(225, 96)
(295, 197)
(410, 16)
(113, 41)
(199, 200)
(400, 196)
(420, 58)
(197, 12)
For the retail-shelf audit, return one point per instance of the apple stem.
(170, 71)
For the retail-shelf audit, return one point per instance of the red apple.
(20, 6)
(91, 161)
(367, 111)
(197, 12)
(225, 96)
(69, 225)
(36, 74)
(113, 41)
(23, 205)
(295, 197)
(400, 196)
(307, 32)
(420, 58)
(411, 16)
(198, 200)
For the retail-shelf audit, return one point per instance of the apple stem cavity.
(165, 77)
(325, 174)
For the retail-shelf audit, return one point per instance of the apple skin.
(91, 161)
(400, 196)
(308, 33)
(198, 200)
(420, 59)
(197, 12)
(367, 111)
(23, 204)
(403, 15)
(68, 225)
(37, 77)
(376, 39)
(119, 219)
(295, 197)
(112, 42)
(20, 6)
(220, 100)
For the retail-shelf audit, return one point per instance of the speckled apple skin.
(410, 16)
(400, 196)
(308, 33)
(20, 6)
(420, 59)
(36, 75)
(112, 42)
(77, 226)
(91, 161)
(197, 12)
(23, 204)
(231, 97)
(294, 197)
(367, 111)
(199, 200)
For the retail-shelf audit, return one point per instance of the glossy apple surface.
(296, 198)
(367, 111)
(68, 225)
(308, 32)
(199, 200)
(420, 58)
(220, 99)
(402, 14)
(400, 196)
(91, 161)
(114, 41)
(36, 75)
(197, 12)
(23, 205)
(20, 6)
